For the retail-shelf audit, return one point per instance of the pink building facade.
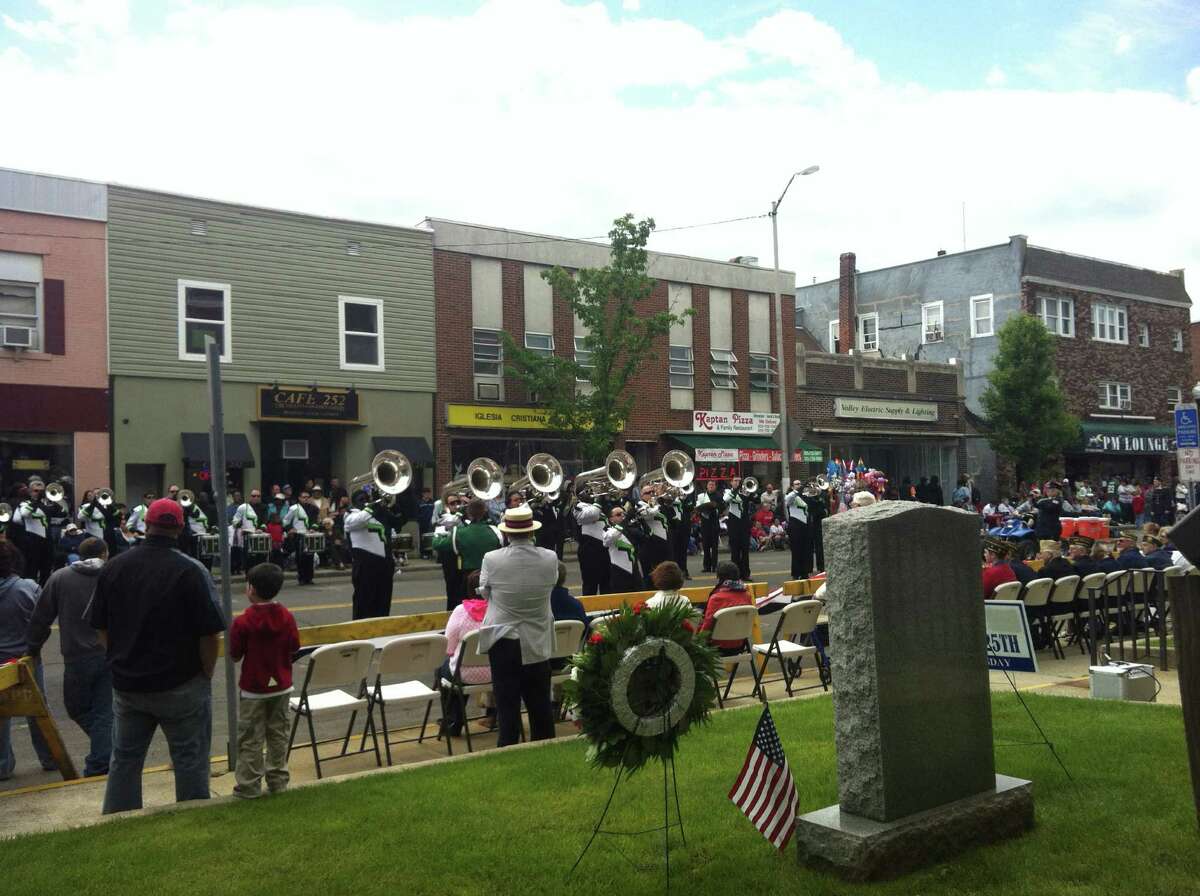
(55, 408)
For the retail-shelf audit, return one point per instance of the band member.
(798, 531)
(737, 524)
(296, 522)
(593, 555)
(135, 525)
(709, 505)
(679, 529)
(99, 520)
(549, 514)
(31, 517)
(369, 527)
(818, 509)
(58, 513)
(450, 518)
(622, 554)
(245, 520)
(469, 542)
(654, 547)
(195, 524)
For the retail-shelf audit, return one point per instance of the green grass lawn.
(514, 823)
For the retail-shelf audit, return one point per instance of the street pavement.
(419, 590)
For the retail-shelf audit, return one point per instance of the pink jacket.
(461, 623)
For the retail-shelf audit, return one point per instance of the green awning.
(1126, 437)
(808, 453)
(709, 440)
(1118, 427)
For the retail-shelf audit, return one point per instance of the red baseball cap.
(165, 512)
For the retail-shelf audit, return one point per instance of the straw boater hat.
(519, 520)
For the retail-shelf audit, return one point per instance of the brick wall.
(452, 324)
(817, 409)
(883, 379)
(847, 301)
(937, 383)
(830, 376)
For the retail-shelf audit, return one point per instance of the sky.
(1076, 122)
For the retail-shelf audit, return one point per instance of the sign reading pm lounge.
(875, 409)
(735, 423)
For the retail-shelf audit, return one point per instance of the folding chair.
(1062, 611)
(1037, 605)
(796, 621)
(415, 659)
(345, 664)
(1087, 601)
(1141, 582)
(736, 624)
(1007, 591)
(1115, 585)
(455, 688)
(568, 635)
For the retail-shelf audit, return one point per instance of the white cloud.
(995, 77)
(1193, 84)
(1124, 42)
(68, 19)
(557, 118)
(631, 5)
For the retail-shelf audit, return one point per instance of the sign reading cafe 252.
(307, 403)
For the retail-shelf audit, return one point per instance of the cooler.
(1094, 527)
(1069, 524)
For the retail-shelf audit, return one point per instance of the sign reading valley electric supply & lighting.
(874, 409)
(735, 422)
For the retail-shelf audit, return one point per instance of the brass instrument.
(484, 479)
(5, 513)
(672, 479)
(612, 480)
(55, 493)
(814, 487)
(749, 487)
(390, 473)
(186, 499)
(104, 497)
(542, 480)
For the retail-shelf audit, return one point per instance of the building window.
(724, 374)
(541, 343)
(1177, 340)
(868, 332)
(682, 370)
(362, 333)
(1144, 335)
(1174, 397)
(1058, 315)
(981, 316)
(1115, 396)
(1108, 324)
(762, 373)
(20, 322)
(203, 311)
(488, 352)
(835, 344)
(583, 357)
(932, 323)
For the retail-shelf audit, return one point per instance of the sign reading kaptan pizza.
(876, 409)
(735, 422)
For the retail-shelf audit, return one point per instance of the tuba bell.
(5, 513)
(749, 487)
(391, 474)
(55, 493)
(104, 497)
(675, 474)
(613, 479)
(186, 498)
(484, 479)
(542, 480)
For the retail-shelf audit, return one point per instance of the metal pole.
(216, 466)
(1185, 605)
(785, 474)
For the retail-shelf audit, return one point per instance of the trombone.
(390, 473)
(612, 480)
(484, 479)
(543, 479)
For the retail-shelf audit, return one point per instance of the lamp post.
(785, 474)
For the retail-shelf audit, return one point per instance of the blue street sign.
(1187, 428)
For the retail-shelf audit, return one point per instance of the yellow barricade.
(21, 696)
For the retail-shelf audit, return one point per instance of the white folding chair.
(414, 659)
(1062, 611)
(1116, 585)
(1087, 605)
(1007, 591)
(335, 666)
(796, 621)
(736, 624)
(468, 656)
(568, 635)
(1037, 605)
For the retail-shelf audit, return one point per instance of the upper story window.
(487, 352)
(1177, 340)
(982, 317)
(762, 373)
(361, 333)
(204, 310)
(933, 328)
(835, 343)
(682, 368)
(1174, 397)
(1144, 335)
(542, 343)
(1058, 314)
(724, 374)
(20, 320)
(1115, 396)
(583, 357)
(868, 332)
(1109, 324)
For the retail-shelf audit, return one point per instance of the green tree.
(1026, 410)
(620, 337)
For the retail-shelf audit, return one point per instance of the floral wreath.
(643, 678)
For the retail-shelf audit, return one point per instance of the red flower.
(638, 609)
(688, 626)
(596, 638)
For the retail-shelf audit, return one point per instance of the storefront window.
(49, 456)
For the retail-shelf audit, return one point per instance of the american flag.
(765, 791)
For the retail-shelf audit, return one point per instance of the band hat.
(71, 527)
(1082, 541)
(996, 546)
(1152, 540)
(519, 520)
(165, 512)
(1049, 544)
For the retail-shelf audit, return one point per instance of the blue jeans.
(88, 695)
(8, 760)
(185, 714)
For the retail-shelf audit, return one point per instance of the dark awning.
(415, 448)
(1126, 437)
(237, 449)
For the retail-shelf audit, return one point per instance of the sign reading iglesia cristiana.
(735, 422)
(874, 409)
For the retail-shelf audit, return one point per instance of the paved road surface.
(325, 602)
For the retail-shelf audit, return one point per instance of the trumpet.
(55, 493)
(390, 473)
(749, 487)
(613, 479)
(484, 478)
(674, 477)
(5, 513)
(186, 499)
(104, 497)
(543, 478)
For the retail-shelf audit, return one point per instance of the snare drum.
(402, 541)
(210, 545)
(314, 542)
(427, 543)
(256, 543)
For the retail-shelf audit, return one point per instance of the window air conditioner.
(17, 337)
(1125, 404)
(295, 449)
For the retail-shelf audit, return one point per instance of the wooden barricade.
(21, 696)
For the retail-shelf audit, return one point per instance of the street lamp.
(785, 471)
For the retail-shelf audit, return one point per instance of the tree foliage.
(591, 401)
(1025, 406)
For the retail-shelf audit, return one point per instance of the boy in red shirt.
(264, 638)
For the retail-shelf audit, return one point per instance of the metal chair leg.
(424, 722)
(312, 738)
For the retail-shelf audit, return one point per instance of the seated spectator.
(759, 540)
(778, 536)
(1155, 552)
(667, 577)
(564, 605)
(69, 544)
(1054, 565)
(466, 618)
(764, 516)
(995, 572)
(731, 591)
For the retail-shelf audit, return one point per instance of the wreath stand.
(664, 699)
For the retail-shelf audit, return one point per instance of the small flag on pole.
(765, 791)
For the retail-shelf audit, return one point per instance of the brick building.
(717, 366)
(53, 332)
